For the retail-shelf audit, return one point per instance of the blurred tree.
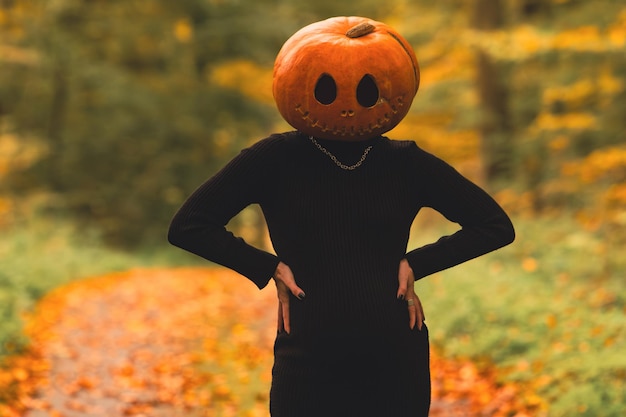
(547, 76)
(567, 71)
(121, 101)
(124, 99)
(131, 104)
(491, 81)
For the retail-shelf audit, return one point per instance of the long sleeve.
(199, 226)
(484, 224)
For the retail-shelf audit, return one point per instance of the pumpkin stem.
(361, 29)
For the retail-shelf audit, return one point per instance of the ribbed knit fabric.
(343, 233)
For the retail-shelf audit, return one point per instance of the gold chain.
(336, 161)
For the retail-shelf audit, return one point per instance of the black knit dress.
(343, 233)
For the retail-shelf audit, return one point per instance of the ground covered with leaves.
(180, 342)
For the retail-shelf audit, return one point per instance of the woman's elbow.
(499, 232)
(507, 232)
(176, 235)
(510, 237)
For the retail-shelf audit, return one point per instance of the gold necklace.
(336, 161)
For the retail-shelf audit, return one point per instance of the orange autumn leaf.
(170, 341)
(529, 264)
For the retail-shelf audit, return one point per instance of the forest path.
(179, 343)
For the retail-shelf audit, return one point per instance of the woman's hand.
(285, 284)
(406, 291)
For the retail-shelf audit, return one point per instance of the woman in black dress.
(339, 206)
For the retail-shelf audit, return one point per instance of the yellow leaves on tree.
(246, 77)
(183, 30)
(577, 96)
(14, 155)
(574, 96)
(608, 163)
(585, 38)
(444, 61)
(434, 132)
(17, 55)
(12, 18)
(524, 41)
(565, 107)
(570, 121)
(617, 31)
(603, 174)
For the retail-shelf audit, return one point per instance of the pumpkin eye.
(326, 89)
(367, 91)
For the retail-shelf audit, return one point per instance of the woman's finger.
(412, 312)
(416, 311)
(283, 273)
(281, 321)
(285, 316)
(421, 317)
(283, 307)
(405, 275)
(406, 282)
(285, 284)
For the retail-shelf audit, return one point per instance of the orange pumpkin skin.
(345, 78)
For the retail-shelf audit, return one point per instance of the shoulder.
(267, 149)
(276, 142)
(402, 146)
(407, 149)
(265, 157)
(399, 144)
(416, 159)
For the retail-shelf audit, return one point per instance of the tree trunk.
(56, 124)
(495, 125)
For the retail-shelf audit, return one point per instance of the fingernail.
(401, 297)
(301, 296)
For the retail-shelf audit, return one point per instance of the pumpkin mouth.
(348, 129)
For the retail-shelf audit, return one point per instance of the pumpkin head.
(346, 78)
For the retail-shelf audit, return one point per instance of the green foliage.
(40, 254)
(547, 312)
(127, 126)
(122, 101)
(120, 98)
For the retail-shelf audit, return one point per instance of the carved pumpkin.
(346, 78)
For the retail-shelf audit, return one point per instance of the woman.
(351, 339)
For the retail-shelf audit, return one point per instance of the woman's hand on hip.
(285, 284)
(406, 291)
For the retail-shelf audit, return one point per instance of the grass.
(40, 254)
(547, 311)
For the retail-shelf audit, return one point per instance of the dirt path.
(172, 343)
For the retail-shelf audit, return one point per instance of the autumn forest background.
(112, 112)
